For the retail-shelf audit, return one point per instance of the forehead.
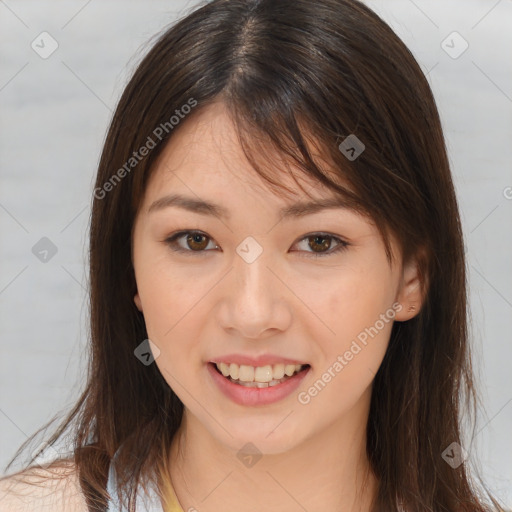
(203, 169)
(205, 153)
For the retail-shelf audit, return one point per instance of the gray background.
(55, 113)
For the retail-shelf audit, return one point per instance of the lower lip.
(256, 396)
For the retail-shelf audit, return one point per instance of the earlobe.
(138, 302)
(410, 294)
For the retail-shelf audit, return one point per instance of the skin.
(198, 306)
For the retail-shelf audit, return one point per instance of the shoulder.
(53, 489)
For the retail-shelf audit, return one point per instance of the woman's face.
(260, 292)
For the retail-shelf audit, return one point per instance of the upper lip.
(262, 360)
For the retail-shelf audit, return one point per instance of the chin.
(269, 437)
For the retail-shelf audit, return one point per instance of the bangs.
(283, 144)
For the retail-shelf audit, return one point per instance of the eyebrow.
(202, 207)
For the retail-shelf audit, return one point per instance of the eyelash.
(342, 245)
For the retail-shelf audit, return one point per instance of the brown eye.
(320, 245)
(195, 242)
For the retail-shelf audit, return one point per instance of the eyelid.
(342, 244)
(172, 241)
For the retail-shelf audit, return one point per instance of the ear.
(411, 293)
(137, 301)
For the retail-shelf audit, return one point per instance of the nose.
(255, 303)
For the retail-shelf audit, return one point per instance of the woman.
(278, 301)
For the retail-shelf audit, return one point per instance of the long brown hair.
(289, 71)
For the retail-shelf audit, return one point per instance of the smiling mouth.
(258, 377)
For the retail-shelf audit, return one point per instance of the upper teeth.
(259, 373)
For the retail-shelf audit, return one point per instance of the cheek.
(171, 306)
(166, 295)
(351, 358)
(354, 298)
(357, 309)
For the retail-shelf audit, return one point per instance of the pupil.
(325, 244)
(196, 239)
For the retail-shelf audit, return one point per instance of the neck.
(328, 472)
